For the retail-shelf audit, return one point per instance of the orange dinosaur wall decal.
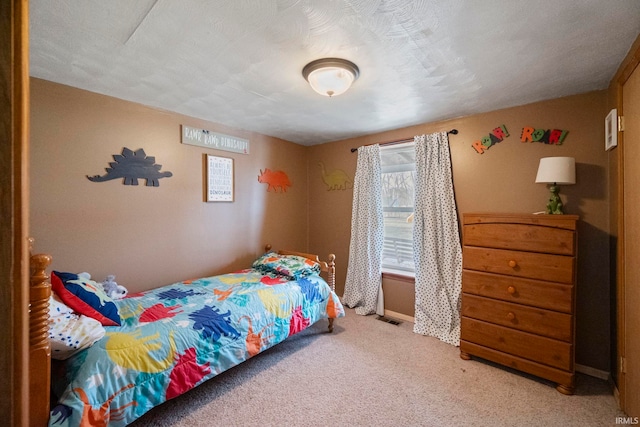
(275, 180)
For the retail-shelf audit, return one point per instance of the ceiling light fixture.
(330, 76)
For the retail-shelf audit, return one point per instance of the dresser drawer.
(529, 319)
(530, 366)
(522, 237)
(536, 293)
(552, 268)
(529, 346)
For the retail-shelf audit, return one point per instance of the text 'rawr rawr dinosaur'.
(131, 166)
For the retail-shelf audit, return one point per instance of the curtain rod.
(402, 141)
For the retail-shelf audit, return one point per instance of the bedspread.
(175, 337)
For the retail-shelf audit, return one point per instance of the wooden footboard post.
(39, 348)
(331, 274)
(331, 280)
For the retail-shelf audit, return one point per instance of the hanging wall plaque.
(219, 179)
(218, 141)
(611, 130)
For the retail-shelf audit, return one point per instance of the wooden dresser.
(518, 293)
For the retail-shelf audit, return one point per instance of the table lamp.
(554, 171)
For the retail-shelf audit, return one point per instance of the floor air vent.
(388, 320)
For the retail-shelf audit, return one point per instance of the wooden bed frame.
(328, 267)
(40, 350)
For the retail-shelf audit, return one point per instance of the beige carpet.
(372, 373)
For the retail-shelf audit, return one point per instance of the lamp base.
(554, 207)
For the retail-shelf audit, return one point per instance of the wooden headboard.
(328, 266)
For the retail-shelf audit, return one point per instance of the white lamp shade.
(330, 76)
(557, 170)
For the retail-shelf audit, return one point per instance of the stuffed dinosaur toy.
(112, 289)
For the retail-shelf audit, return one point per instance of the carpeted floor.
(372, 373)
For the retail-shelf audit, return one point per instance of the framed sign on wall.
(219, 176)
(611, 130)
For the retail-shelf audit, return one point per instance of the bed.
(173, 338)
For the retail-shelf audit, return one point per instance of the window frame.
(388, 270)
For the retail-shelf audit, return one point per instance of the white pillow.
(69, 332)
(57, 307)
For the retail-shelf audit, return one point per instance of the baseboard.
(395, 315)
(587, 370)
(593, 372)
(616, 392)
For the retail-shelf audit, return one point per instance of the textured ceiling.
(239, 62)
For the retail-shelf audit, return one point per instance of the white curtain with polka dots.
(436, 242)
(363, 287)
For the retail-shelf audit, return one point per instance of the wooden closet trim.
(14, 255)
(626, 69)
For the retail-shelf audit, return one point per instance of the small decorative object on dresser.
(518, 293)
(554, 171)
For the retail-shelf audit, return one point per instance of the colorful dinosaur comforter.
(175, 337)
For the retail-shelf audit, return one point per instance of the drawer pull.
(511, 316)
(512, 264)
(511, 290)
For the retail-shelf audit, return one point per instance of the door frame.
(626, 69)
(14, 185)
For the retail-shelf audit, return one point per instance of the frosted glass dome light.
(331, 76)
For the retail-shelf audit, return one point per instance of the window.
(398, 176)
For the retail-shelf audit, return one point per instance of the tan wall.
(150, 236)
(500, 180)
(153, 236)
